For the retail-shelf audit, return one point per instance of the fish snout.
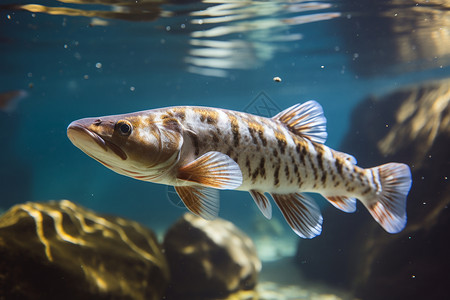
(80, 135)
(87, 134)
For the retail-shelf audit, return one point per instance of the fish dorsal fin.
(212, 169)
(343, 203)
(263, 203)
(346, 156)
(301, 213)
(306, 120)
(200, 200)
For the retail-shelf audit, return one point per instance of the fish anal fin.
(263, 203)
(201, 201)
(301, 213)
(388, 207)
(343, 203)
(306, 120)
(212, 169)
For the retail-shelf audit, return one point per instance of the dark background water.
(101, 59)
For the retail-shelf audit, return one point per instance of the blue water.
(77, 66)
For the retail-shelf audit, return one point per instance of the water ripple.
(224, 35)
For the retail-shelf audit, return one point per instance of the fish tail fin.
(388, 207)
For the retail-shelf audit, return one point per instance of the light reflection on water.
(266, 26)
(387, 37)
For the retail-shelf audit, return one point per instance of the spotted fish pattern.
(200, 150)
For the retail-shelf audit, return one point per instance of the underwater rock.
(59, 250)
(411, 125)
(209, 259)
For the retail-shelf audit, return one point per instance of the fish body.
(199, 150)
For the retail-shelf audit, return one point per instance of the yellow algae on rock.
(64, 249)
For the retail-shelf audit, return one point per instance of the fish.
(201, 150)
(10, 99)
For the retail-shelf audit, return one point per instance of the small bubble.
(424, 203)
(200, 22)
(33, 15)
(98, 65)
(349, 16)
(8, 17)
(336, 48)
(132, 88)
(29, 74)
(65, 46)
(277, 79)
(387, 125)
(413, 276)
(429, 156)
(395, 15)
(183, 26)
(86, 76)
(322, 67)
(445, 177)
(167, 28)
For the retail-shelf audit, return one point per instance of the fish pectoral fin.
(263, 203)
(343, 203)
(301, 213)
(201, 201)
(212, 169)
(306, 120)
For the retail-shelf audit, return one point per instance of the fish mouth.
(79, 135)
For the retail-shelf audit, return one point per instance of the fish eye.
(124, 127)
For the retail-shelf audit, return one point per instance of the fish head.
(132, 144)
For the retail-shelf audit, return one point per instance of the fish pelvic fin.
(212, 169)
(343, 203)
(263, 203)
(389, 206)
(301, 213)
(200, 200)
(306, 120)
